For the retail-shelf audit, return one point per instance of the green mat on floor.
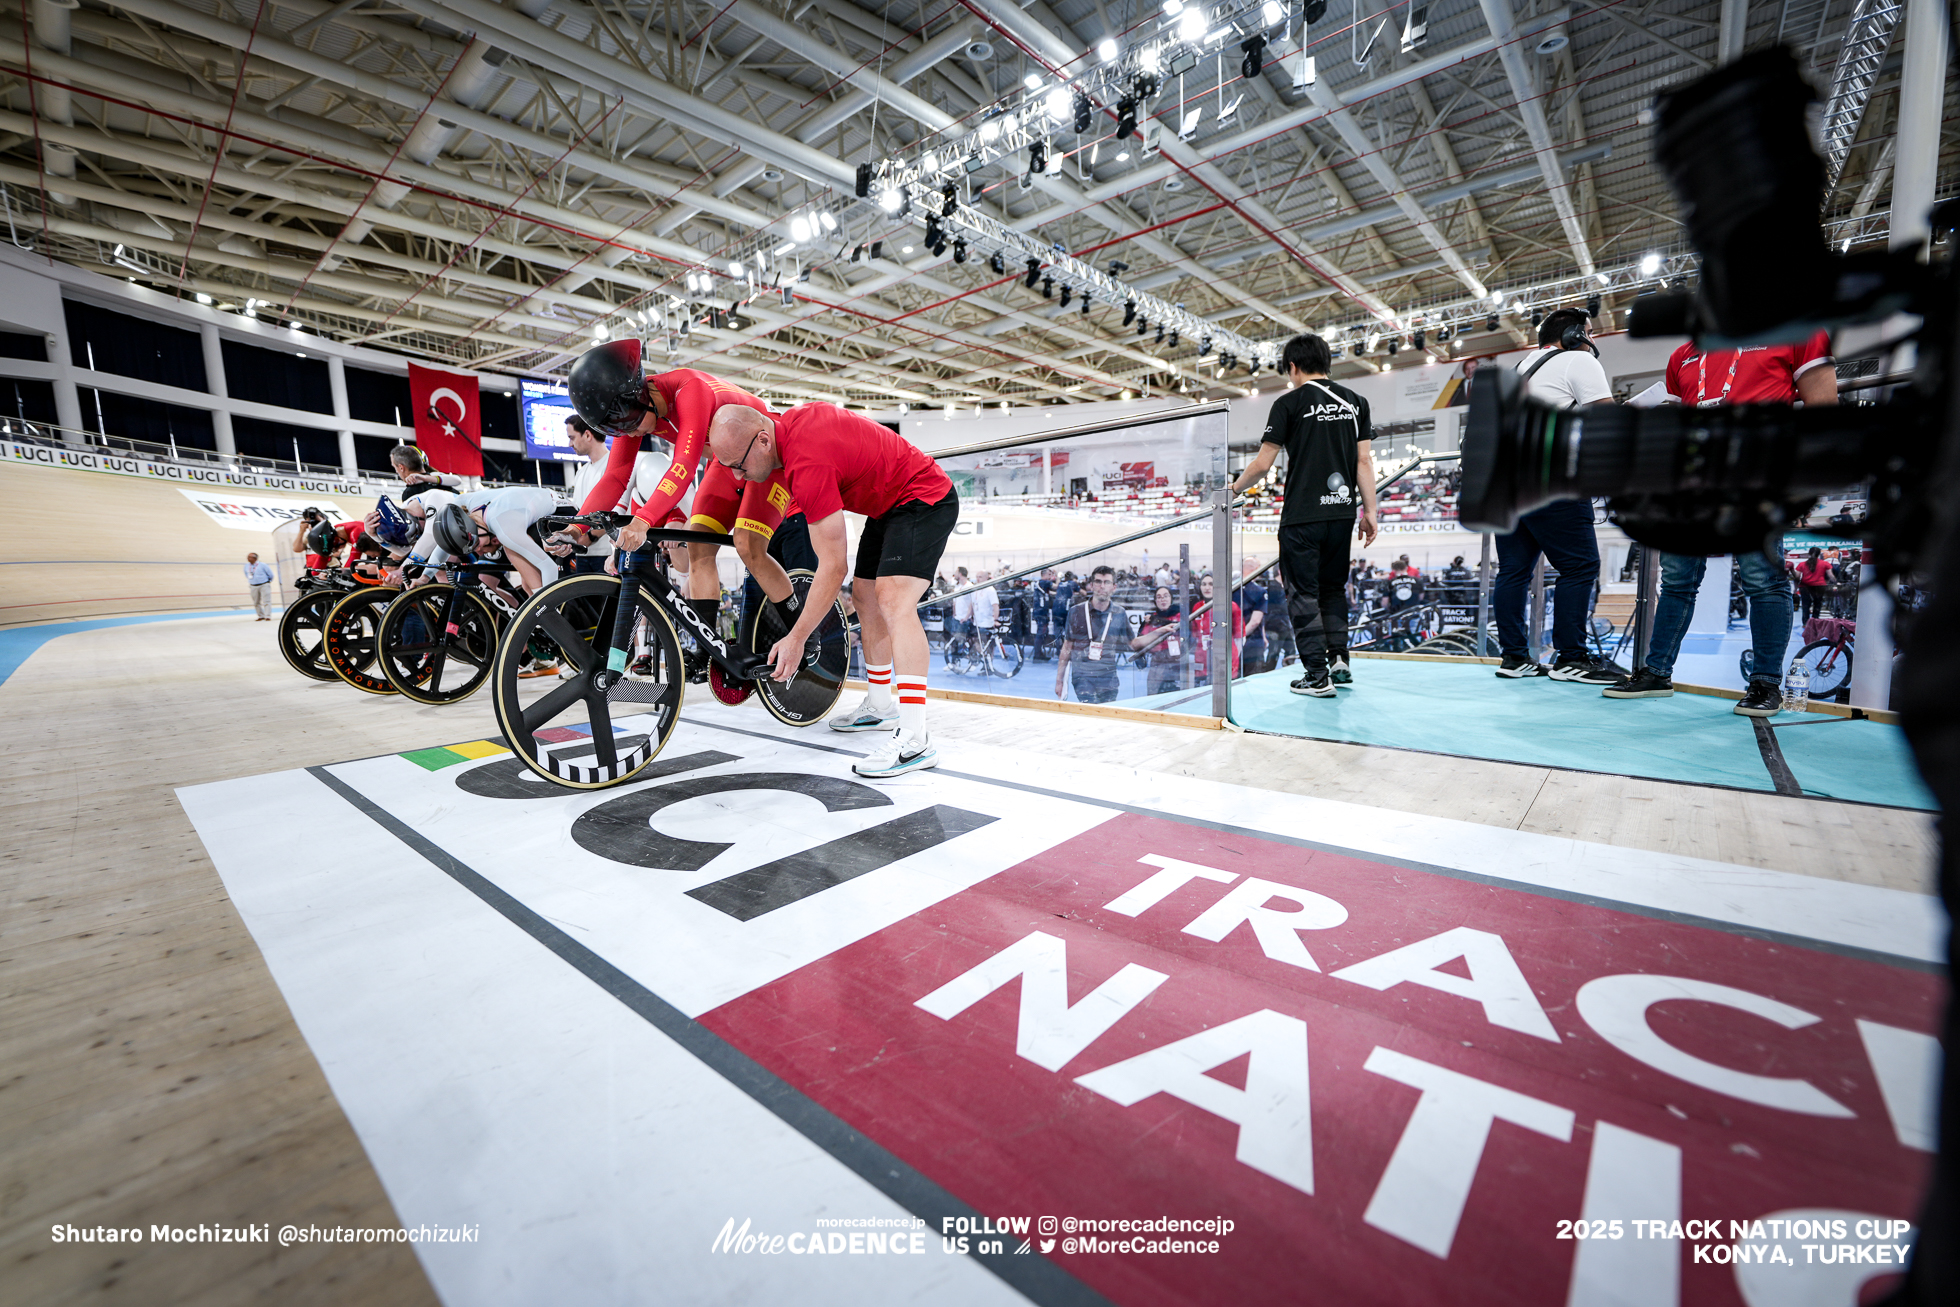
(1466, 711)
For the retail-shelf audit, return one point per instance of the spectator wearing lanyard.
(1201, 635)
(1156, 642)
(1096, 637)
(1764, 374)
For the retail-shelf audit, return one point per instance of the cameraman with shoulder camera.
(1765, 374)
(1565, 373)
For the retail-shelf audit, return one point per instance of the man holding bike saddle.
(837, 461)
(618, 401)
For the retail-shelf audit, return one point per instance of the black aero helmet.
(455, 533)
(320, 540)
(607, 387)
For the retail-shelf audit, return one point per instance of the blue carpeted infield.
(1466, 711)
(18, 643)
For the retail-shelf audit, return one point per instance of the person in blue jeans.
(1563, 532)
(1763, 581)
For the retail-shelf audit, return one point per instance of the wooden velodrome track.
(150, 1070)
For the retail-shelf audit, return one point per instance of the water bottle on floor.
(1796, 687)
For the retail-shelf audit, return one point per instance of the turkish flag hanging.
(447, 423)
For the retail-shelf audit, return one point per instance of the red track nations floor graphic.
(1398, 1086)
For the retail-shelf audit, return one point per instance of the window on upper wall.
(20, 345)
(258, 438)
(378, 397)
(29, 401)
(276, 376)
(128, 418)
(106, 341)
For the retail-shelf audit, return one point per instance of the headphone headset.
(1575, 336)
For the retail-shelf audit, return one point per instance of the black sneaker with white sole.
(1338, 673)
(1585, 671)
(1643, 684)
(1764, 699)
(1320, 686)
(1515, 668)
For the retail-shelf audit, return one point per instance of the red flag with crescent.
(447, 425)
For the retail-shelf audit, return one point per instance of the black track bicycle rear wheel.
(428, 663)
(572, 731)
(302, 633)
(809, 695)
(351, 634)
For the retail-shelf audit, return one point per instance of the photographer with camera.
(1765, 374)
(1564, 372)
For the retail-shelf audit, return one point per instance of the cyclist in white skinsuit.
(507, 514)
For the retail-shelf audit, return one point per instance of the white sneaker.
(904, 753)
(865, 718)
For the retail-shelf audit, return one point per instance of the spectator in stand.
(258, 579)
(1764, 374)
(1096, 638)
(1814, 578)
(1041, 605)
(962, 606)
(1166, 576)
(1253, 601)
(1564, 372)
(1201, 627)
(1330, 472)
(1404, 586)
(1156, 643)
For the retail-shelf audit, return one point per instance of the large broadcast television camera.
(1736, 150)
(1721, 480)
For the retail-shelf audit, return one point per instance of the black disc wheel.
(351, 635)
(588, 730)
(430, 659)
(809, 695)
(302, 633)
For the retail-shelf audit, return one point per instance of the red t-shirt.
(835, 460)
(354, 530)
(692, 398)
(1761, 374)
(1201, 638)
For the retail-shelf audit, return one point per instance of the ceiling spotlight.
(1272, 11)
(202, 298)
(828, 219)
(1537, 316)
(949, 197)
(1173, 341)
(1204, 346)
(1032, 82)
(1143, 325)
(1160, 333)
(1172, 8)
(1048, 288)
(1650, 264)
(1086, 302)
(1082, 116)
(904, 203)
(905, 249)
(799, 228)
(1191, 24)
(1034, 273)
(1151, 60)
(1416, 340)
(1129, 311)
(989, 130)
(998, 264)
(1037, 157)
(888, 199)
(959, 250)
(1394, 344)
(1604, 280)
(1057, 104)
(1254, 50)
(857, 256)
(1490, 323)
(1106, 49)
(863, 187)
(1314, 11)
(1592, 306)
(1068, 293)
(877, 249)
(1126, 117)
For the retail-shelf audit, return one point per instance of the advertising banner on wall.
(257, 512)
(96, 460)
(1423, 390)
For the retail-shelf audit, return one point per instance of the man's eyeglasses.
(741, 464)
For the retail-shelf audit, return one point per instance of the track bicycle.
(989, 654)
(1827, 661)
(301, 634)
(603, 724)
(435, 641)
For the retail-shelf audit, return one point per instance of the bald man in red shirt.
(837, 462)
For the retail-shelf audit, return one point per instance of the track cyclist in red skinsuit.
(616, 398)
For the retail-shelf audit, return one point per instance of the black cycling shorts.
(908, 540)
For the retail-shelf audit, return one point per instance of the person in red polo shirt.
(838, 462)
(1764, 374)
